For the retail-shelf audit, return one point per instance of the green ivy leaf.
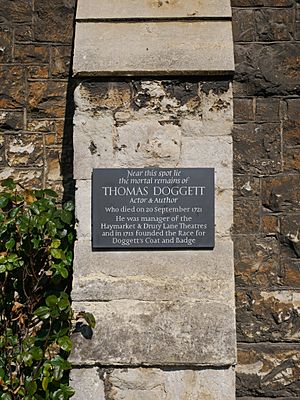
(3, 201)
(31, 388)
(8, 183)
(63, 302)
(51, 301)
(42, 312)
(58, 254)
(69, 206)
(50, 193)
(6, 396)
(10, 244)
(45, 383)
(37, 353)
(55, 244)
(65, 343)
(90, 319)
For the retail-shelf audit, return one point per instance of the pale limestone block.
(123, 9)
(154, 275)
(133, 332)
(213, 152)
(157, 384)
(93, 143)
(87, 384)
(167, 48)
(147, 143)
(83, 209)
(223, 211)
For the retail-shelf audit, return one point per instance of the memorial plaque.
(138, 208)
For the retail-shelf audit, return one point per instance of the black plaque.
(138, 208)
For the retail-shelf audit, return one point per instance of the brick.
(190, 45)
(47, 99)
(274, 25)
(257, 149)
(243, 25)
(58, 17)
(267, 110)
(246, 216)
(281, 193)
(143, 9)
(268, 370)
(268, 316)
(25, 150)
(256, 261)
(6, 38)
(12, 87)
(31, 54)
(253, 68)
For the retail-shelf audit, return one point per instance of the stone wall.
(35, 121)
(35, 56)
(267, 198)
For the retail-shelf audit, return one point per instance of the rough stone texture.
(154, 384)
(266, 210)
(35, 54)
(166, 48)
(116, 9)
(106, 276)
(135, 332)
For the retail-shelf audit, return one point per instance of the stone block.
(281, 193)
(161, 275)
(268, 316)
(246, 216)
(214, 152)
(290, 272)
(243, 110)
(25, 150)
(11, 120)
(246, 186)
(253, 68)
(167, 48)
(16, 11)
(6, 40)
(243, 25)
(58, 17)
(31, 178)
(135, 332)
(142, 9)
(153, 384)
(267, 110)
(47, 99)
(268, 370)
(291, 160)
(274, 24)
(60, 61)
(12, 86)
(31, 53)
(257, 261)
(87, 384)
(147, 143)
(93, 143)
(257, 149)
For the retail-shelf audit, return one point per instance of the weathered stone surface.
(2, 151)
(267, 109)
(268, 316)
(257, 149)
(6, 39)
(243, 25)
(290, 272)
(30, 178)
(38, 72)
(23, 150)
(154, 145)
(123, 9)
(31, 53)
(187, 47)
(87, 384)
(246, 186)
(12, 86)
(11, 120)
(268, 370)
(265, 3)
(93, 143)
(58, 17)
(24, 33)
(16, 11)
(246, 216)
(289, 234)
(243, 110)
(274, 24)
(257, 261)
(155, 384)
(215, 152)
(60, 61)
(47, 99)
(133, 332)
(53, 167)
(291, 160)
(253, 68)
(291, 136)
(281, 193)
(164, 276)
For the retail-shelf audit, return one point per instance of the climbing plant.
(36, 242)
